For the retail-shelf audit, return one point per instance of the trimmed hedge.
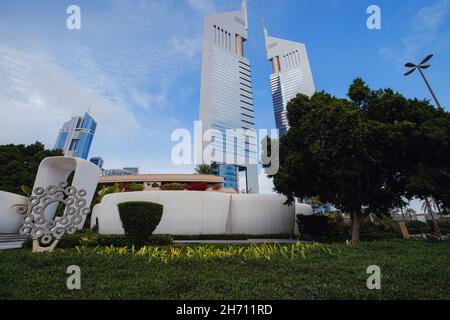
(314, 225)
(173, 186)
(231, 237)
(139, 220)
(92, 240)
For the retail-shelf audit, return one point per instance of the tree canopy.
(19, 165)
(204, 169)
(365, 154)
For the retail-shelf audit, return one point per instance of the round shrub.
(337, 224)
(139, 220)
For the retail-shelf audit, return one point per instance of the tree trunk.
(356, 226)
(403, 215)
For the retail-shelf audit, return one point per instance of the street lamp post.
(422, 65)
(419, 67)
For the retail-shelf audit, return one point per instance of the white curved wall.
(194, 213)
(10, 220)
(260, 214)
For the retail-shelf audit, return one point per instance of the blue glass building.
(229, 173)
(75, 137)
(98, 161)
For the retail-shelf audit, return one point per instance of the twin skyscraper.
(226, 97)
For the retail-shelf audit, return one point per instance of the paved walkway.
(249, 241)
(11, 241)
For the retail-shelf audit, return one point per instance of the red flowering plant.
(197, 186)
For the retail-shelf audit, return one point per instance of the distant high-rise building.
(226, 98)
(76, 135)
(98, 161)
(120, 172)
(291, 75)
(134, 170)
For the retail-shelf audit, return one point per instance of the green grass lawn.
(410, 270)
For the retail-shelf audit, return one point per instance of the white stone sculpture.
(50, 188)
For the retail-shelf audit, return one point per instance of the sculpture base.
(38, 249)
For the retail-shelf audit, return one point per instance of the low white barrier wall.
(261, 214)
(195, 213)
(10, 220)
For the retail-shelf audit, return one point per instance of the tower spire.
(266, 33)
(244, 11)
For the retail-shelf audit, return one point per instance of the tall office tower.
(75, 137)
(291, 75)
(226, 97)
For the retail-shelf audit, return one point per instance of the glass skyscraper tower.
(226, 98)
(75, 137)
(291, 75)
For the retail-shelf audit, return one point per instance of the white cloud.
(127, 65)
(425, 35)
(431, 17)
(204, 6)
(36, 97)
(190, 47)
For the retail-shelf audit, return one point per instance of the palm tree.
(427, 206)
(204, 169)
(410, 212)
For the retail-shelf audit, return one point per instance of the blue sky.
(136, 64)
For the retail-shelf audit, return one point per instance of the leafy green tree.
(204, 169)
(363, 154)
(19, 165)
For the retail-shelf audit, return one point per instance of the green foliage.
(136, 187)
(415, 227)
(139, 220)
(444, 224)
(337, 224)
(367, 151)
(236, 237)
(314, 225)
(412, 270)
(26, 191)
(90, 239)
(173, 186)
(388, 224)
(19, 165)
(206, 252)
(105, 190)
(204, 169)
